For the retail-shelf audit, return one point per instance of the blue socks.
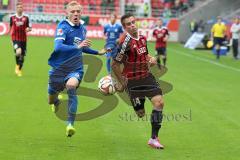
(72, 105)
(109, 65)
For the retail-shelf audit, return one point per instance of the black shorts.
(139, 89)
(20, 44)
(161, 51)
(218, 40)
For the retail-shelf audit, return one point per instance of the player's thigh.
(163, 52)
(138, 105)
(23, 46)
(155, 92)
(73, 80)
(136, 99)
(53, 90)
(17, 47)
(158, 51)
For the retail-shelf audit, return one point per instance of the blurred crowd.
(4, 4)
(142, 8)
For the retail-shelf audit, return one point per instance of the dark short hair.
(125, 17)
(19, 3)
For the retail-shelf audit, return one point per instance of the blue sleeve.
(59, 46)
(89, 50)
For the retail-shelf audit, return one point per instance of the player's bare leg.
(156, 120)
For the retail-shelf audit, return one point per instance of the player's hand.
(152, 61)
(85, 43)
(28, 29)
(102, 51)
(120, 86)
(165, 39)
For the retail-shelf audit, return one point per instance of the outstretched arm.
(61, 47)
(92, 51)
(116, 67)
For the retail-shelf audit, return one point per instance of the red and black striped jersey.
(160, 34)
(18, 27)
(133, 53)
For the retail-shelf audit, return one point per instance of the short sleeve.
(122, 50)
(11, 22)
(29, 24)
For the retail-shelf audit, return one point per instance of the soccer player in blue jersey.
(112, 31)
(66, 61)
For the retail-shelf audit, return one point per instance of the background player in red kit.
(161, 34)
(136, 77)
(19, 26)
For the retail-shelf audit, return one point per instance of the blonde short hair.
(73, 3)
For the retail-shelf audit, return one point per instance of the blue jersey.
(67, 38)
(113, 33)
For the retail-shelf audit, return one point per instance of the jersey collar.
(19, 16)
(133, 37)
(112, 25)
(71, 24)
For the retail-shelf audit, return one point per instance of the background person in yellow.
(218, 33)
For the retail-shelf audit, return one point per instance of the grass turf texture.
(204, 103)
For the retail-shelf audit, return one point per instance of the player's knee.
(72, 83)
(158, 102)
(18, 51)
(70, 86)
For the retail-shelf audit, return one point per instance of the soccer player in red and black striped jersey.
(161, 34)
(19, 26)
(136, 78)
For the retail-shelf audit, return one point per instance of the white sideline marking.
(206, 60)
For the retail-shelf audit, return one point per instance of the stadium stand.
(170, 8)
(157, 8)
(90, 7)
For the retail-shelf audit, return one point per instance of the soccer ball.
(106, 85)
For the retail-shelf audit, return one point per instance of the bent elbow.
(57, 47)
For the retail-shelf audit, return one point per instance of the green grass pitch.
(202, 112)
